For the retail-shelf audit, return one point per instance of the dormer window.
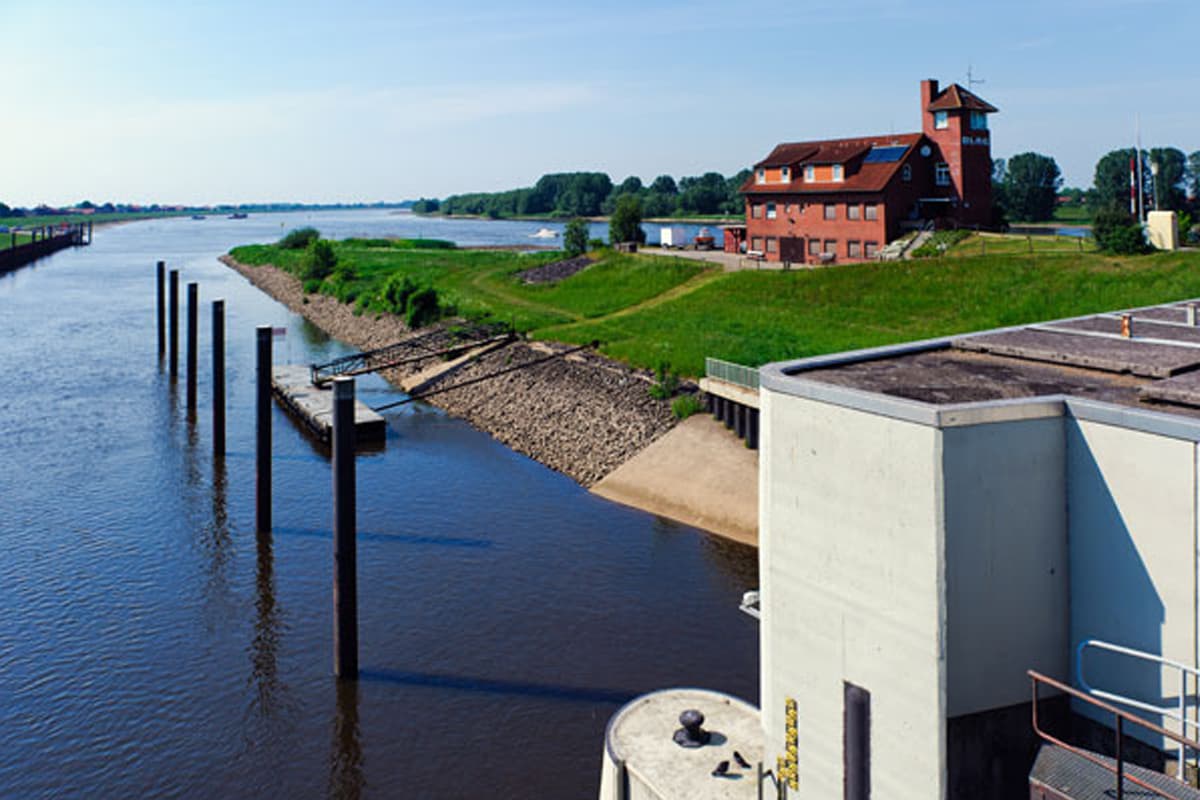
(762, 175)
(837, 173)
(941, 120)
(810, 173)
(785, 174)
(978, 121)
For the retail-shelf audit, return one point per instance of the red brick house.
(844, 199)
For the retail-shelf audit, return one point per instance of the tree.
(1030, 187)
(4, 210)
(1117, 232)
(1194, 176)
(702, 195)
(664, 184)
(734, 204)
(625, 225)
(1168, 167)
(1112, 179)
(319, 260)
(575, 237)
(631, 185)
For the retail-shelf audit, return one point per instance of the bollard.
(739, 420)
(162, 309)
(345, 557)
(218, 379)
(1191, 314)
(173, 326)
(262, 450)
(1127, 326)
(193, 299)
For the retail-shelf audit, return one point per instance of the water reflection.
(346, 779)
(217, 542)
(463, 683)
(264, 648)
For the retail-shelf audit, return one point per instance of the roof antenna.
(972, 81)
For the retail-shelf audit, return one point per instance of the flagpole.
(1137, 151)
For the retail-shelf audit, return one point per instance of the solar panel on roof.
(885, 155)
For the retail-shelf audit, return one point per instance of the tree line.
(590, 194)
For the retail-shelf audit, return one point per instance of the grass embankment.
(484, 283)
(7, 240)
(649, 311)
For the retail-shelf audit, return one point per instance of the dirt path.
(674, 293)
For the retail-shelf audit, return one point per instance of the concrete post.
(752, 429)
(727, 416)
(193, 299)
(739, 420)
(345, 558)
(218, 378)
(162, 309)
(262, 449)
(173, 326)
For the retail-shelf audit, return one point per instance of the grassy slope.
(648, 311)
(6, 240)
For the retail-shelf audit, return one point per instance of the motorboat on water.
(544, 233)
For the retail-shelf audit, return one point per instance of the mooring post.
(262, 450)
(345, 557)
(173, 326)
(218, 378)
(739, 420)
(193, 300)
(162, 309)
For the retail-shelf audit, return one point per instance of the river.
(152, 645)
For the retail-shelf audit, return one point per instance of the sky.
(214, 102)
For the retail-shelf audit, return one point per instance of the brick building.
(844, 199)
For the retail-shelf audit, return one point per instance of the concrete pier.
(292, 386)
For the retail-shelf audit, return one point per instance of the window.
(941, 174)
(906, 172)
(941, 120)
(756, 244)
(837, 172)
(871, 211)
(770, 211)
(772, 244)
(785, 174)
(756, 211)
(856, 742)
(853, 211)
(830, 211)
(854, 249)
(978, 121)
(870, 249)
(810, 173)
(814, 247)
(830, 246)
(762, 175)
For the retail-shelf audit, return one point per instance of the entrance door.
(791, 248)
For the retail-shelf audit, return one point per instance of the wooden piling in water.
(173, 299)
(162, 308)
(218, 377)
(193, 300)
(345, 556)
(262, 449)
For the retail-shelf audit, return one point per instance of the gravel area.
(559, 270)
(583, 415)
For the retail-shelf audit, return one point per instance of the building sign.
(979, 140)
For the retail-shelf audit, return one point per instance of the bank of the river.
(583, 415)
(700, 219)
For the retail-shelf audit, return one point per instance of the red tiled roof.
(954, 97)
(867, 177)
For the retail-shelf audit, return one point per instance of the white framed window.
(941, 120)
(762, 175)
(870, 249)
(837, 172)
(814, 247)
(756, 210)
(770, 211)
(853, 249)
(871, 211)
(756, 244)
(830, 211)
(772, 244)
(978, 121)
(785, 174)
(810, 173)
(941, 174)
(906, 172)
(853, 211)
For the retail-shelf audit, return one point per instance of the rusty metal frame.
(1121, 717)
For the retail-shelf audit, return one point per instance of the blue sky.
(321, 101)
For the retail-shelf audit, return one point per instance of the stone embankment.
(582, 414)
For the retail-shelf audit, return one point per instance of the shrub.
(396, 291)
(575, 237)
(422, 308)
(685, 405)
(1117, 232)
(596, 244)
(299, 239)
(312, 286)
(665, 384)
(625, 224)
(319, 260)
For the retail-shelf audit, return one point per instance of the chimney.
(929, 90)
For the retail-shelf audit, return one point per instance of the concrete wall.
(1132, 530)
(1007, 580)
(850, 572)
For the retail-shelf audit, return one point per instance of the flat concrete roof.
(640, 734)
(1083, 363)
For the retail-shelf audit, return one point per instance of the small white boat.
(544, 233)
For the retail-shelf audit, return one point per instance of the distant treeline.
(589, 194)
(88, 207)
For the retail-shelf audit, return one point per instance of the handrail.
(1179, 715)
(1121, 717)
(730, 372)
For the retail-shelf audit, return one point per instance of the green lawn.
(7, 240)
(649, 311)
(1014, 244)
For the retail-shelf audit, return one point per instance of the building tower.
(955, 119)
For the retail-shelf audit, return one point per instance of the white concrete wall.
(851, 580)
(1007, 578)
(1132, 532)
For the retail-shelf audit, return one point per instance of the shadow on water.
(264, 649)
(389, 538)
(346, 779)
(461, 683)
(217, 541)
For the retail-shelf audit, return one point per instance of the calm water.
(151, 645)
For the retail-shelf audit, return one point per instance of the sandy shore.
(583, 415)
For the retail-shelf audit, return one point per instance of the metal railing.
(1120, 718)
(731, 373)
(1177, 713)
